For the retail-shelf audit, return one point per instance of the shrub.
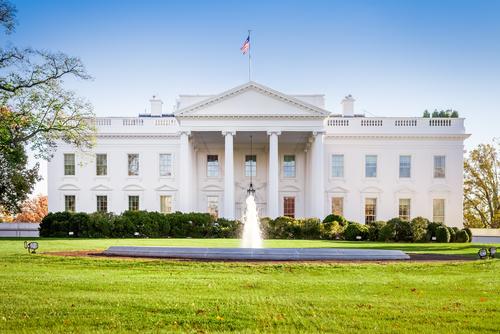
(462, 236)
(418, 227)
(374, 230)
(354, 229)
(331, 230)
(402, 229)
(387, 233)
(452, 233)
(431, 230)
(280, 228)
(335, 218)
(469, 233)
(442, 234)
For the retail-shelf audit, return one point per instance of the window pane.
(101, 164)
(289, 165)
(289, 207)
(102, 203)
(165, 204)
(438, 210)
(212, 165)
(250, 165)
(133, 164)
(371, 166)
(439, 166)
(213, 206)
(69, 203)
(133, 203)
(338, 165)
(165, 164)
(338, 206)
(404, 166)
(404, 209)
(69, 164)
(370, 210)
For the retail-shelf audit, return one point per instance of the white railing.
(118, 125)
(395, 125)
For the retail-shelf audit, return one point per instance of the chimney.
(348, 106)
(156, 106)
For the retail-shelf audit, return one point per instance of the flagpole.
(249, 57)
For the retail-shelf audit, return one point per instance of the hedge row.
(138, 223)
(202, 225)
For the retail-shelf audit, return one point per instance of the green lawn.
(40, 293)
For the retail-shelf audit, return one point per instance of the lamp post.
(251, 190)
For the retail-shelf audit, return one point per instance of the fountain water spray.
(252, 236)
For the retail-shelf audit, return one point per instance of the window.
(165, 204)
(133, 164)
(371, 166)
(439, 166)
(289, 207)
(133, 203)
(438, 210)
(102, 203)
(69, 164)
(212, 165)
(250, 165)
(166, 164)
(289, 165)
(69, 203)
(370, 210)
(213, 206)
(101, 164)
(404, 209)
(404, 166)
(337, 165)
(338, 206)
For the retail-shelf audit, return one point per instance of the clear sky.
(397, 58)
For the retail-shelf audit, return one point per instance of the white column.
(184, 173)
(273, 176)
(317, 170)
(228, 174)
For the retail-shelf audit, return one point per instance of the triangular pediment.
(69, 187)
(133, 187)
(165, 188)
(101, 187)
(249, 101)
(340, 190)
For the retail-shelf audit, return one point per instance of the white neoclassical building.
(304, 161)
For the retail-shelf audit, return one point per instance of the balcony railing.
(394, 125)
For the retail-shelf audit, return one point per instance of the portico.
(220, 128)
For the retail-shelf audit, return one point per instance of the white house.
(304, 160)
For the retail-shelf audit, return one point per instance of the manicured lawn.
(40, 293)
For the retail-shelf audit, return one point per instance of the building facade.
(303, 160)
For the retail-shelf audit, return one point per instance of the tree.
(16, 179)
(426, 114)
(7, 16)
(33, 210)
(36, 111)
(481, 186)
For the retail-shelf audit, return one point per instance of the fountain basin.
(257, 254)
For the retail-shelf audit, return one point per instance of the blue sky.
(396, 58)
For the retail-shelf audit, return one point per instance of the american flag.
(246, 45)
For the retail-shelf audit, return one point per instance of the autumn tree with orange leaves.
(33, 210)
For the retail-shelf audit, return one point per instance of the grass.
(48, 294)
